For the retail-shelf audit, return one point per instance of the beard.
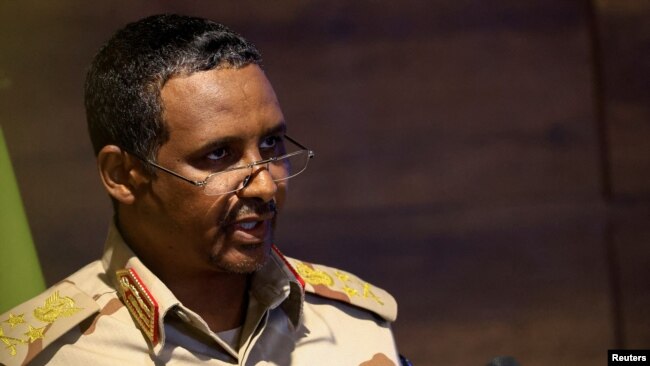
(244, 266)
(249, 260)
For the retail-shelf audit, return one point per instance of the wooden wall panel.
(528, 281)
(632, 235)
(624, 35)
(457, 159)
(411, 132)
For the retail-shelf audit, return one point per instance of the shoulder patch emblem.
(55, 307)
(30, 327)
(343, 286)
(142, 306)
(314, 276)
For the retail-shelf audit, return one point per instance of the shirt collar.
(131, 277)
(278, 284)
(275, 285)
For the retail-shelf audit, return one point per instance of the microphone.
(503, 361)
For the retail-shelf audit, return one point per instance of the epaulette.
(335, 284)
(30, 327)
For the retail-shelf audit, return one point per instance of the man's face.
(216, 118)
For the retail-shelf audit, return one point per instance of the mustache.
(248, 208)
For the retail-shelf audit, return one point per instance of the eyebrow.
(280, 128)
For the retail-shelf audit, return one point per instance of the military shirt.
(115, 311)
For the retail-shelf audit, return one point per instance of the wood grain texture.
(457, 158)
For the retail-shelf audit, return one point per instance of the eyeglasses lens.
(287, 167)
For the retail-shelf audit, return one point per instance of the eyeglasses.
(236, 178)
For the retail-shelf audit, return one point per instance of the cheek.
(281, 194)
(189, 208)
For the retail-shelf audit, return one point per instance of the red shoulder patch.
(142, 306)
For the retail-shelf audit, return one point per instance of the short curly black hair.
(123, 84)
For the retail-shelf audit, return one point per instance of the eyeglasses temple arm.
(196, 183)
(149, 162)
(310, 152)
(295, 142)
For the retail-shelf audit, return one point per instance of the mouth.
(248, 225)
(251, 230)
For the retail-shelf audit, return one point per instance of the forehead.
(219, 103)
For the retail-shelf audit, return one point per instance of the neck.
(221, 299)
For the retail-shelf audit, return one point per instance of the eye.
(270, 142)
(217, 154)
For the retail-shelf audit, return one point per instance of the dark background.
(487, 162)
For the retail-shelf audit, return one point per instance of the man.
(192, 148)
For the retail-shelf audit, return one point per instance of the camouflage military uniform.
(116, 312)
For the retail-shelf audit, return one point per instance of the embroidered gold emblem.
(15, 319)
(344, 277)
(55, 307)
(350, 291)
(140, 303)
(357, 290)
(10, 342)
(34, 333)
(313, 276)
(367, 293)
(23, 332)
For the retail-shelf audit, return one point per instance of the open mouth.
(248, 225)
(250, 231)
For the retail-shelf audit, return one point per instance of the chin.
(243, 261)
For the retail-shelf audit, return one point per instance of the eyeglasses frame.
(204, 182)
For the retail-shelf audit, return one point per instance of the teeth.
(248, 225)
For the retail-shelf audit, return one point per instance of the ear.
(120, 173)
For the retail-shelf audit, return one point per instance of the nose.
(259, 185)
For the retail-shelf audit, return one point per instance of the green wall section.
(20, 273)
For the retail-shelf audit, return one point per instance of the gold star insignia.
(15, 319)
(10, 343)
(350, 291)
(367, 292)
(344, 277)
(35, 333)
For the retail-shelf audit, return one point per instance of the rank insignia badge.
(138, 300)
